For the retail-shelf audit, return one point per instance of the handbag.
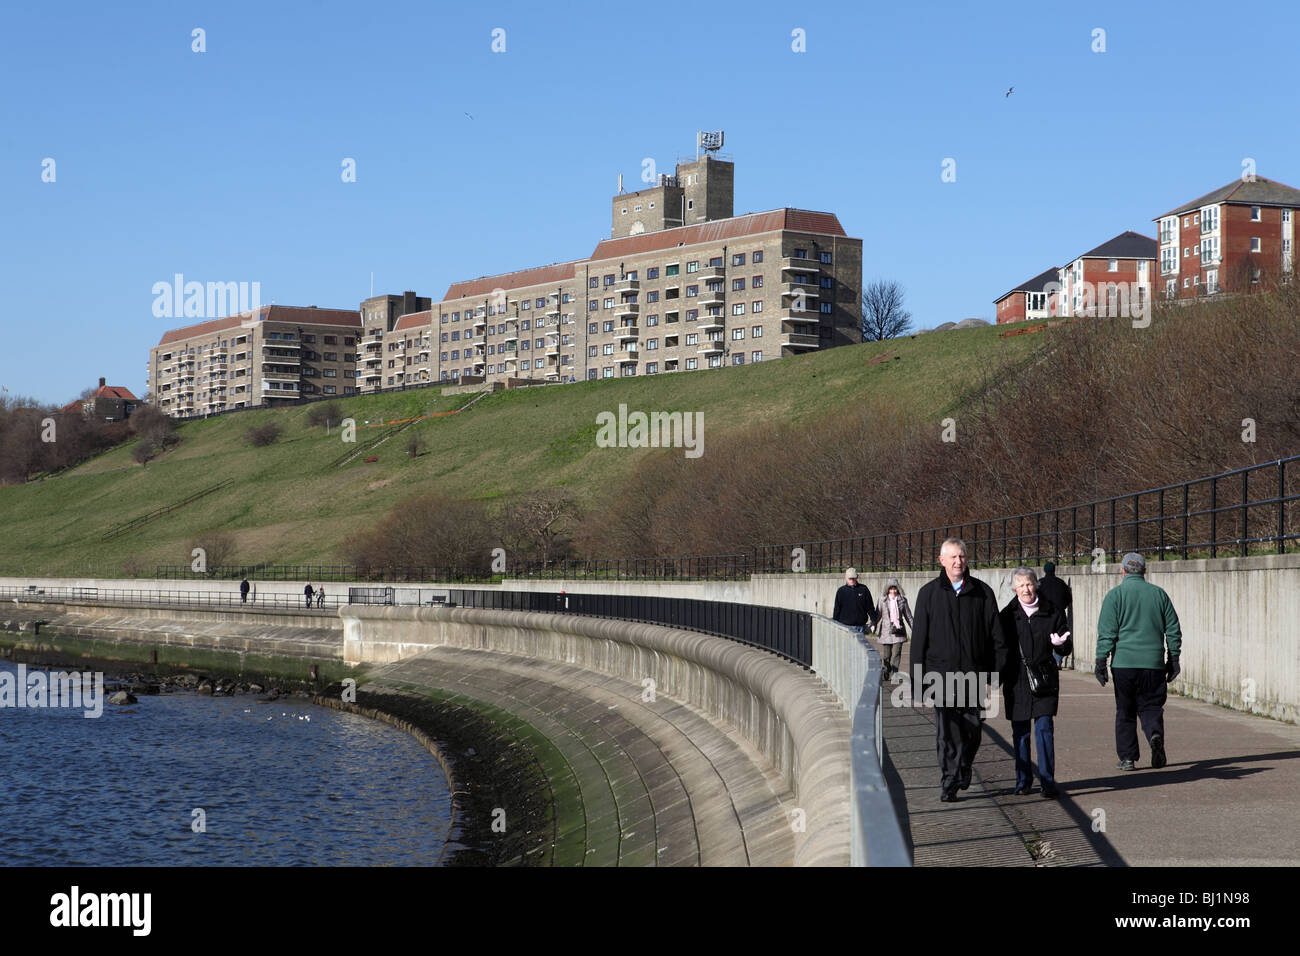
(1044, 679)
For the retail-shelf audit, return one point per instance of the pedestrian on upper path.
(243, 591)
(1058, 592)
(1137, 623)
(307, 592)
(853, 604)
(893, 618)
(1034, 637)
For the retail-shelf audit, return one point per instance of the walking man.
(853, 604)
(1137, 623)
(307, 591)
(1058, 593)
(243, 591)
(956, 638)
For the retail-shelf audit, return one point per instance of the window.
(756, 332)
(608, 325)
(1112, 265)
(273, 335)
(825, 258)
(716, 261)
(442, 357)
(593, 282)
(651, 296)
(524, 325)
(1254, 244)
(756, 257)
(607, 372)
(636, 208)
(693, 338)
(1196, 218)
(593, 328)
(801, 254)
(331, 356)
(593, 305)
(827, 308)
(651, 368)
(631, 274)
(692, 290)
(1209, 219)
(1209, 250)
(738, 358)
(652, 272)
(652, 204)
(609, 279)
(524, 365)
(692, 364)
(690, 204)
(692, 315)
(693, 266)
(670, 270)
(329, 390)
(738, 285)
(331, 373)
(1211, 281)
(715, 361)
(737, 334)
(826, 282)
(455, 335)
(591, 374)
(525, 344)
(609, 302)
(756, 282)
(1186, 283)
(738, 259)
(757, 306)
(651, 344)
(1286, 217)
(738, 308)
(1168, 261)
(1254, 214)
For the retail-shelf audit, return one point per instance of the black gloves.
(1100, 671)
(1172, 669)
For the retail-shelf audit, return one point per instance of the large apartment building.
(682, 284)
(268, 356)
(1236, 238)
(1112, 279)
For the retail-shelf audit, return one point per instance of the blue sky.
(225, 165)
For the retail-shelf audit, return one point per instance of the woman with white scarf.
(894, 618)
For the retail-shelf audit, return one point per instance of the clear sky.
(226, 165)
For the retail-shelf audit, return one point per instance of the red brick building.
(1237, 238)
(1029, 300)
(1113, 279)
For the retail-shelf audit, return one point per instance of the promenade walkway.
(1229, 796)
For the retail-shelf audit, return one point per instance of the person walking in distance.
(243, 591)
(1137, 623)
(853, 605)
(893, 617)
(307, 592)
(1057, 593)
(320, 596)
(956, 636)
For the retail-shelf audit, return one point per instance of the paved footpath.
(1230, 795)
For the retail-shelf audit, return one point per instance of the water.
(280, 784)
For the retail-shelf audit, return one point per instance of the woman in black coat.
(1032, 629)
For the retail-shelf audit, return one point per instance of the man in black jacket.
(956, 633)
(1058, 593)
(853, 603)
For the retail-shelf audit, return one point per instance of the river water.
(279, 783)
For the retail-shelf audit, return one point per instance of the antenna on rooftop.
(620, 184)
(708, 140)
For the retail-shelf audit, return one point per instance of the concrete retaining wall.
(783, 712)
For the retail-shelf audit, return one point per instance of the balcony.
(627, 308)
(712, 323)
(480, 322)
(294, 346)
(627, 285)
(794, 340)
(712, 347)
(791, 264)
(287, 390)
(712, 272)
(628, 333)
(708, 298)
(799, 290)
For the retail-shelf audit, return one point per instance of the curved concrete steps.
(636, 782)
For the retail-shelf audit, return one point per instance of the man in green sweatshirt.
(1137, 621)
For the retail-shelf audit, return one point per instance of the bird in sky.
(471, 117)
(1010, 90)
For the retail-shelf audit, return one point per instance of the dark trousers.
(1044, 742)
(958, 740)
(1140, 694)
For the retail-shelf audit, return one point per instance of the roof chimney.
(101, 383)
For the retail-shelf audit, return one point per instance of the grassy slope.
(287, 505)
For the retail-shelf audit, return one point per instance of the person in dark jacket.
(956, 630)
(1033, 630)
(243, 591)
(307, 592)
(853, 604)
(1057, 592)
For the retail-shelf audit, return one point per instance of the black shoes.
(947, 796)
(1158, 758)
(1051, 794)
(1024, 791)
(1125, 765)
(965, 779)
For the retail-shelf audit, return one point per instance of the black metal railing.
(782, 631)
(155, 597)
(1247, 511)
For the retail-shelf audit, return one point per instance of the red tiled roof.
(794, 220)
(413, 320)
(557, 272)
(293, 314)
(104, 391)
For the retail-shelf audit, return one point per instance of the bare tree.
(883, 315)
(541, 524)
